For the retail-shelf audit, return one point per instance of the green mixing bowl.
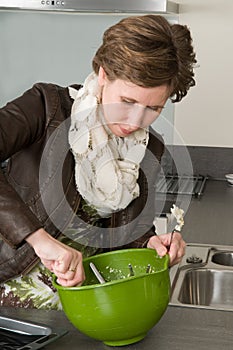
(122, 310)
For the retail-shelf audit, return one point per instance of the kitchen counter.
(179, 329)
(208, 220)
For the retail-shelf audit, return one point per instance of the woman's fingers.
(64, 261)
(162, 242)
(69, 269)
(71, 278)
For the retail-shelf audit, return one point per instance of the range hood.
(93, 6)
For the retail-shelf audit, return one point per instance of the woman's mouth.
(122, 130)
(125, 131)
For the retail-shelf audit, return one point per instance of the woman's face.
(128, 107)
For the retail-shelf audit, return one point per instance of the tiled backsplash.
(213, 162)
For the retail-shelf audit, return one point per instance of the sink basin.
(204, 278)
(207, 287)
(223, 258)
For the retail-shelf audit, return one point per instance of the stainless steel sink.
(204, 278)
(223, 258)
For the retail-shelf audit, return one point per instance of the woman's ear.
(102, 77)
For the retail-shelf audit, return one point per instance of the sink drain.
(194, 260)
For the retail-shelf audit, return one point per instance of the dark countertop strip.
(179, 329)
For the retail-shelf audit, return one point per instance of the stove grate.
(174, 184)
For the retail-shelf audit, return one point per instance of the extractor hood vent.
(93, 6)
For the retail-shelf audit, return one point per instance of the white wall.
(205, 116)
(49, 47)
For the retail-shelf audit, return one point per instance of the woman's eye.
(155, 109)
(127, 101)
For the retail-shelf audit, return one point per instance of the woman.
(81, 185)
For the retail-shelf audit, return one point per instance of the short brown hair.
(148, 51)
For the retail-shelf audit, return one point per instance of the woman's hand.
(161, 243)
(64, 261)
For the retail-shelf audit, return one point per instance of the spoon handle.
(171, 238)
(97, 273)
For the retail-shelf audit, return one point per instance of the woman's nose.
(135, 117)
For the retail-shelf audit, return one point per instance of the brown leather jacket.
(38, 190)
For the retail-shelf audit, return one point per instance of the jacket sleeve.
(22, 123)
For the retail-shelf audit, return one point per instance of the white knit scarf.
(106, 166)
